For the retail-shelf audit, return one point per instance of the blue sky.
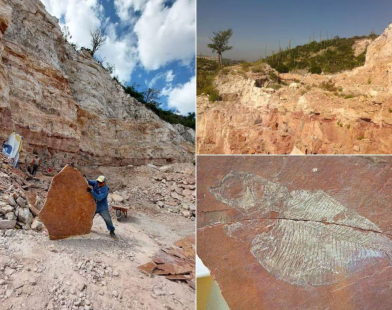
(150, 42)
(260, 23)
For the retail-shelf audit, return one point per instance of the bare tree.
(98, 38)
(66, 33)
(151, 94)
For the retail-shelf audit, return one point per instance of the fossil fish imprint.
(315, 240)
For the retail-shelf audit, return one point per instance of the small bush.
(340, 124)
(315, 69)
(390, 110)
(348, 96)
(275, 86)
(257, 69)
(328, 86)
(274, 77)
(360, 138)
(225, 71)
(348, 126)
(369, 81)
(281, 68)
(245, 66)
(213, 95)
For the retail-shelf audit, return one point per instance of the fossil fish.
(315, 240)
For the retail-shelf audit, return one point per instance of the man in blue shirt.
(100, 192)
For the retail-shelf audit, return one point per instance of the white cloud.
(183, 98)
(123, 8)
(120, 52)
(166, 34)
(82, 16)
(155, 79)
(170, 76)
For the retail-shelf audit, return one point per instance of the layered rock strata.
(346, 113)
(66, 105)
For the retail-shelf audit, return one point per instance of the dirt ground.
(94, 271)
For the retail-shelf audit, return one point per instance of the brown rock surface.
(345, 113)
(297, 232)
(69, 209)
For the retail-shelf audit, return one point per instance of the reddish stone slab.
(176, 263)
(69, 209)
(148, 268)
(297, 232)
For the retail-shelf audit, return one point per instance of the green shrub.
(245, 66)
(275, 86)
(225, 71)
(213, 95)
(348, 96)
(274, 77)
(314, 69)
(360, 138)
(282, 68)
(328, 86)
(257, 69)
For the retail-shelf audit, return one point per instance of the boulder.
(66, 214)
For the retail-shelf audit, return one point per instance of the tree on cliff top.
(220, 43)
(98, 38)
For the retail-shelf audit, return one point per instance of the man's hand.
(89, 189)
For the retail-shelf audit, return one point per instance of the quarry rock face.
(66, 106)
(345, 113)
(297, 233)
(69, 209)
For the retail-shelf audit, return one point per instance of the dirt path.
(92, 271)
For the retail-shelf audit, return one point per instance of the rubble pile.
(165, 188)
(18, 207)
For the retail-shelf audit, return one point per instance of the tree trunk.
(220, 60)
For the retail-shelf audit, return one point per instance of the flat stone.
(69, 208)
(284, 237)
(7, 224)
(7, 209)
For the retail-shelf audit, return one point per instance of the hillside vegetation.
(328, 56)
(206, 72)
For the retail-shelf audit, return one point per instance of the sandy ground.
(93, 271)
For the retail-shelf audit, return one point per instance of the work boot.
(113, 235)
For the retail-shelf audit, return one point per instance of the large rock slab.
(69, 209)
(297, 232)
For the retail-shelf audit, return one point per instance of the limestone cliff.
(67, 107)
(345, 113)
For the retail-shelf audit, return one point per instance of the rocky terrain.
(295, 232)
(67, 106)
(94, 271)
(345, 113)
